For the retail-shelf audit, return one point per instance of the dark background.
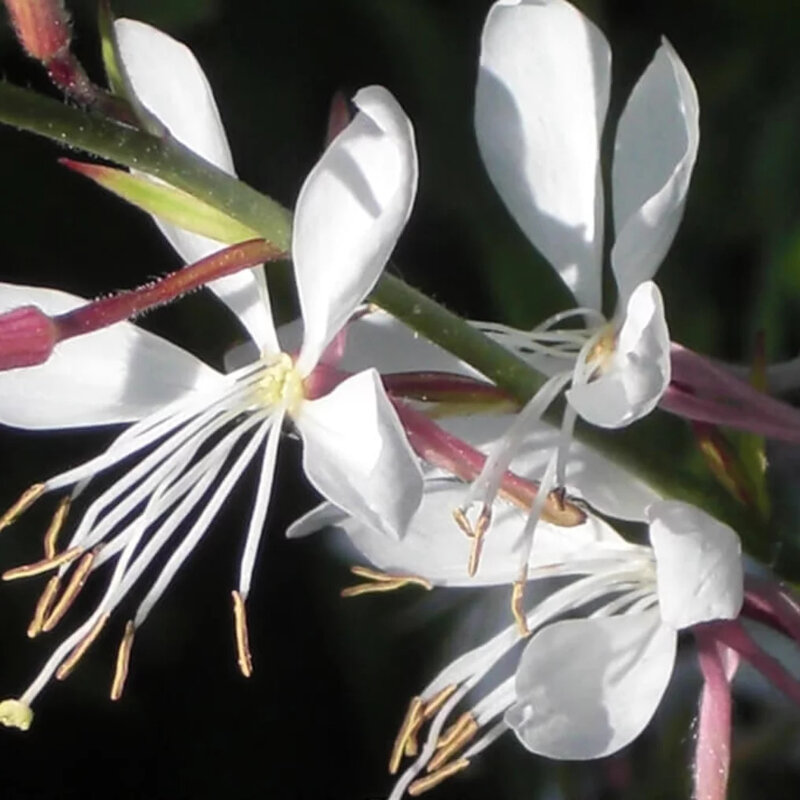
(333, 677)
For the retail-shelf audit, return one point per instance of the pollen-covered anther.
(243, 656)
(517, 611)
(381, 582)
(71, 590)
(461, 732)
(411, 722)
(53, 529)
(431, 781)
(123, 661)
(71, 661)
(43, 606)
(15, 714)
(26, 500)
(45, 565)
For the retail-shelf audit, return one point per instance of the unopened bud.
(42, 27)
(27, 337)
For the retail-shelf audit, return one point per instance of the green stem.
(168, 160)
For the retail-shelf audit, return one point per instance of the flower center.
(604, 348)
(280, 384)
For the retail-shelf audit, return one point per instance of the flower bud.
(42, 27)
(27, 337)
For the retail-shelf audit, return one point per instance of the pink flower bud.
(27, 337)
(42, 27)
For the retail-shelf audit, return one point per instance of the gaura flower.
(583, 687)
(540, 107)
(196, 430)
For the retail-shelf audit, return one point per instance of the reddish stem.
(108, 310)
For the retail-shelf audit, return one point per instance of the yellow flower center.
(281, 384)
(604, 348)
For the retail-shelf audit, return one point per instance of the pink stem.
(734, 635)
(772, 599)
(713, 752)
(726, 395)
(759, 420)
(28, 335)
(108, 310)
(443, 387)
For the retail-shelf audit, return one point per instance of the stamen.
(517, 597)
(464, 730)
(475, 533)
(382, 582)
(71, 661)
(28, 498)
(447, 738)
(430, 709)
(71, 591)
(43, 606)
(437, 701)
(15, 714)
(460, 516)
(244, 658)
(45, 565)
(51, 535)
(123, 661)
(434, 779)
(408, 729)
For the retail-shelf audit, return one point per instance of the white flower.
(196, 430)
(581, 688)
(540, 107)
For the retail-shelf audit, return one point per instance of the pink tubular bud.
(27, 337)
(42, 27)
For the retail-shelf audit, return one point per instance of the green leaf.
(166, 202)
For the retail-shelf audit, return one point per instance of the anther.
(410, 724)
(43, 606)
(517, 597)
(464, 729)
(244, 658)
(28, 498)
(71, 661)
(460, 516)
(53, 529)
(123, 661)
(45, 565)
(71, 591)
(381, 582)
(433, 705)
(435, 778)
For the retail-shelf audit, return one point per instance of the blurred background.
(332, 677)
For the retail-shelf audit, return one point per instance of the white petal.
(377, 339)
(638, 372)
(116, 374)
(601, 482)
(434, 547)
(325, 515)
(357, 455)
(349, 215)
(655, 152)
(380, 340)
(698, 564)
(540, 105)
(586, 688)
(168, 80)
